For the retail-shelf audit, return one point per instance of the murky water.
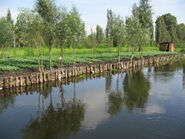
(146, 104)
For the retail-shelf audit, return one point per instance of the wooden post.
(11, 82)
(5, 83)
(21, 81)
(16, 81)
(27, 80)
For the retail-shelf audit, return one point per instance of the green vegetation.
(168, 30)
(20, 58)
(51, 36)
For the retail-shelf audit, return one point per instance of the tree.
(93, 40)
(35, 35)
(114, 29)
(22, 27)
(6, 34)
(119, 34)
(99, 34)
(8, 16)
(29, 28)
(144, 13)
(9, 19)
(109, 28)
(166, 29)
(135, 10)
(135, 34)
(49, 12)
(76, 29)
(63, 31)
(181, 34)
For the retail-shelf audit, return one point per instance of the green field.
(26, 57)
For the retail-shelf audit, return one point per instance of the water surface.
(149, 103)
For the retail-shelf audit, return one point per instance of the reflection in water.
(108, 83)
(131, 105)
(6, 101)
(184, 76)
(154, 109)
(115, 100)
(160, 72)
(136, 90)
(63, 121)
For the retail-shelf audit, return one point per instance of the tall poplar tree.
(48, 11)
(144, 13)
(109, 28)
(99, 34)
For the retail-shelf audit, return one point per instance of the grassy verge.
(21, 58)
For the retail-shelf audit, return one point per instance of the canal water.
(147, 104)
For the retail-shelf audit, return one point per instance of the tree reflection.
(63, 121)
(115, 100)
(166, 72)
(6, 101)
(136, 90)
(184, 76)
(108, 83)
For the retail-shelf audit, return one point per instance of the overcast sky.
(93, 12)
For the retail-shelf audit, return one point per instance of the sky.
(93, 12)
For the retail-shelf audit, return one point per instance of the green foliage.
(115, 29)
(136, 35)
(6, 33)
(99, 34)
(167, 30)
(136, 90)
(28, 28)
(51, 28)
(143, 12)
(109, 28)
(8, 17)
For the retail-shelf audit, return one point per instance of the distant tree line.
(53, 26)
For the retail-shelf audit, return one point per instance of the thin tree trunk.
(132, 56)
(50, 56)
(141, 53)
(118, 54)
(14, 40)
(2, 51)
(42, 64)
(128, 48)
(61, 57)
(6, 51)
(38, 57)
(74, 54)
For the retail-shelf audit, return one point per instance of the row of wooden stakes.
(67, 72)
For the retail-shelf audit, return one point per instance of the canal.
(144, 104)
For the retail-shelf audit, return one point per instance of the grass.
(21, 58)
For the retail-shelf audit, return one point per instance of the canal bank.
(83, 69)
